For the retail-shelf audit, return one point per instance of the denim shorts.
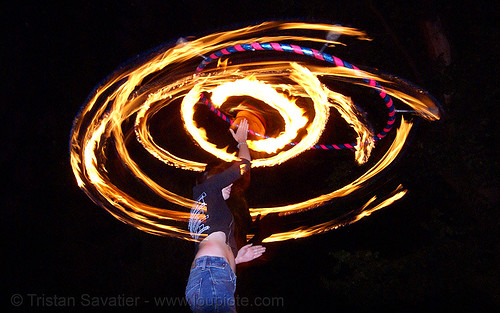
(211, 285)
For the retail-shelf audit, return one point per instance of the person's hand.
(241, 132)
(249, 252)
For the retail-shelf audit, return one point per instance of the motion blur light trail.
(144, 132)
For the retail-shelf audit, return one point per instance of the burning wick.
(331, 36)
(405, 111)
(183, 41)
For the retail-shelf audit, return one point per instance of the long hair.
(240, 185)
(211, 169)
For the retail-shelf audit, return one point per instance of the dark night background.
(437, 250)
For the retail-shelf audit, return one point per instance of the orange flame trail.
(115, 138)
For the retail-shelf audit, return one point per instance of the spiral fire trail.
(115, 143)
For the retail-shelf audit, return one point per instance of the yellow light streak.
(134, 95)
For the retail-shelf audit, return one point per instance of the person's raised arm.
(241, 138)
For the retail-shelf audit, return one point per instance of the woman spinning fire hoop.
(212, 280)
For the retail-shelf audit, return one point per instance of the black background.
(436, 250)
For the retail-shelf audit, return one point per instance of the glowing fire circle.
(121, 110)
